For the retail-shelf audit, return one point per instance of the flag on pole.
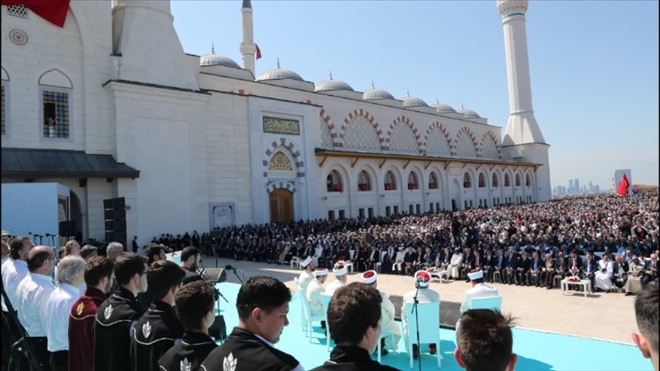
(258, 51)
(624, 184)
(54, 11)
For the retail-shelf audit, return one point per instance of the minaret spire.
(248, 47)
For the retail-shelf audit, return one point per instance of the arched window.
(495, 182)
(482, 180)
(390, 181)
(412, 181)
(364, 181)
(55, 89)
(467, 181)
(334, 182)
(517, 180)
(433, 181)
(528, 180)
(507, 180)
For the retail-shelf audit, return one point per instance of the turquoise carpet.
(536, 350)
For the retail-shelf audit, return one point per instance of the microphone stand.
(237, 276)
(419, 346)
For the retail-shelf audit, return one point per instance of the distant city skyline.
(574, 188)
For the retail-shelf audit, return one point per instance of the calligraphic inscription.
(276, 125)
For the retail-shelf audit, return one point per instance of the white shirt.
(304, 279)
(333, 286)
(313, 294)
(32, 293)
(424, 295)
(56, 313)
(479, 291)
(13, 272)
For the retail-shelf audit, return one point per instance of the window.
(342, 214)
(431, 207)
(467, 181)
(517, 180)
(361, 213)
(334, 182)
(4, 110)
(507, 180)
(396, 209)
(388, 211)
(412, 181)
(364, 182)
(411, 209)
(390, 181)
(331, 215)
(17, 11)
(55, 114)
(418, 208)
(495, 181)
(528, 180)
(371, 212)
(482, 180)
(433, 181)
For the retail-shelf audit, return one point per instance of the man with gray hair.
(70, 275)
(113, 250)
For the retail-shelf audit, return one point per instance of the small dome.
(468, 113)
(332, 85)
(413, 102)
(444, 108)
(217, 60)
(279, 74)
(373, 94)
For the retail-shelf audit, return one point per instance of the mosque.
(105, 102)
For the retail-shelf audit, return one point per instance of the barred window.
(4, 112)
(17, 11)
(55, 114)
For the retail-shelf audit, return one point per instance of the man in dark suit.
(499, 266)
(548, 270)
(511, 266)
(574, 264)
(651, 269)
(388, 259)
(468, 262)
(590, 268)
(523, 268)
(534, 272)
(489, 265)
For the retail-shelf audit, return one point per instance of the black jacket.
(192, 350)
(351, 358)
(154, 334)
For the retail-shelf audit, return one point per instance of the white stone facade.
(196, 134)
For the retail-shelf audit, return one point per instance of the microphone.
(230, 268)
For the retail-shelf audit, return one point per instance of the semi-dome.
(217, 60)
(279, 73)
(373, 94)
(413, 102)
(468, 113)
(332, 85)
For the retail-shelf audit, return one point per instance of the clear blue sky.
(593, 64)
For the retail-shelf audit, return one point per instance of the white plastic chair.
(296, 261)
(429, 328)
(325, 300)
(301, 296)
(308, 317)
(379, 264)
(494, 302)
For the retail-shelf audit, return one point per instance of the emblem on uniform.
(229, 364)
(108, 311)
(185, 365)
(80, 308)
(146, 330)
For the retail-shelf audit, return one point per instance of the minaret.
(523, 138)
(144, 37)
(248, 48)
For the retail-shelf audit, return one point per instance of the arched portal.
(281, 206)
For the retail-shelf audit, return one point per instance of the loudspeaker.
(215, 275)
(67, 229)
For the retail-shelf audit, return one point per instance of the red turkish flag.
(258, 51)
(54, 11)
(624, 184)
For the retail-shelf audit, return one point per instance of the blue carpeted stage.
(537, 351)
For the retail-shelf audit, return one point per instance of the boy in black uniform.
(262, 304)
(159, 327)
(195, 306)
(118, 313)
(354, 317)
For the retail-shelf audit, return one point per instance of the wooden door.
(281, 206)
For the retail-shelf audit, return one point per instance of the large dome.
(279, 74)
(217, 60)
(468, 113)
(332, 85)
(373, 94)
(413, 102)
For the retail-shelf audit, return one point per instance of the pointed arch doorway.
(281, 206)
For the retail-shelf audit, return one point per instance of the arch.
(495, 180)
(281, 184)
(437, 125)
(462, 148)
(414, 180)
(280, 162)
(391, 180)
(528, 180)
(482, 180)
(369, 117)
(55, 77)
(489, 146)
(518, 181)
(5, 75)
(334, 182)
(407, 122)
(467, 180)
(365, 183)
(298, 161)
(434, 180)
(507, 179)
(327, 123)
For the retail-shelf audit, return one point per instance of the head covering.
(306, 262)
(369, 277)
(339, 269)
(476, 275)
(422, 278)
(320, 272)
(401, 247)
